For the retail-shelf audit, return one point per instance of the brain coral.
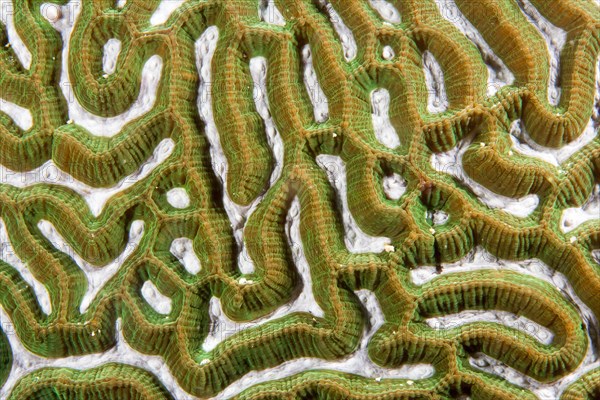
(285, 199)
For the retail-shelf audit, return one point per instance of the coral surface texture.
(299, 199)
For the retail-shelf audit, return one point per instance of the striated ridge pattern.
(165, 159)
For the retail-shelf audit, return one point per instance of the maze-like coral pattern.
(237, 160)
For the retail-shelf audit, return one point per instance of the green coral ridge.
(336, 273)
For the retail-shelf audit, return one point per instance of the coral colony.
(299, 199)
